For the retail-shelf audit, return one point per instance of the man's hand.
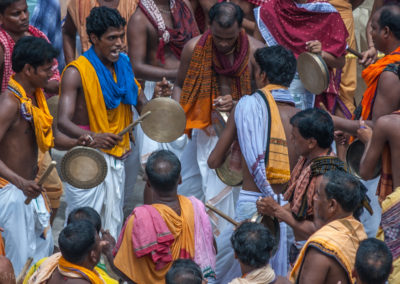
(1, 229)
(267, 206)
(364, 133)
(163, 89)
(340, 137)
(109, 241)
(29, 187)
(85, 140)
(105, 141)
(369, 56)
(223, 103)
(314, 46)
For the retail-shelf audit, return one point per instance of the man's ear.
(28, 70)
(180, 179)
(332, 206)
(312, 143)
(93, 38)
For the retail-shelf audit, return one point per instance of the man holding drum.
(25, 126)
(98, 91)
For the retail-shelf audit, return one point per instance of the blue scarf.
(125, 90)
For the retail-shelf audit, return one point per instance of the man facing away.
(265, 156)
(169, 226)
(25, 128)
(253, 244)
(330, 253)
(98, 91)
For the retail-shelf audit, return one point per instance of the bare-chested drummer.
(25, 127)
(259, 125)
(217, 69)
(98, 91)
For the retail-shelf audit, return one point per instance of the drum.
(313, 72)
(272, 224)
(167, 120)
(230, 172)
(353, 158)
(83, 167)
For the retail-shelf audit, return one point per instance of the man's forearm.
(8, 174)
(302, 229)
(110, 259)
(70, 129)
(52, 87)
(69, 44)
(154, 73)
(348, 125)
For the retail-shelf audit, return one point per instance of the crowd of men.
(212, 57)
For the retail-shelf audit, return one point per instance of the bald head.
(226, 14)
(389, 16)
(163, 170)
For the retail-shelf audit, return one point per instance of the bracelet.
(90, 138)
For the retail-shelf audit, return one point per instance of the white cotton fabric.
(23, 227)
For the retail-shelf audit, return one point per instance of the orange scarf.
(200, 87)
(2, 250)
(42, 119)
(371, 76)
(66, 267)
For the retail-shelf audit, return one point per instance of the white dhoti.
(227, 267)
(23, 227)
(107, 198)
(371, 223)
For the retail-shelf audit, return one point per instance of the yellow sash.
(102, 120)
(64, 266)
(278, 166)
(42, 119)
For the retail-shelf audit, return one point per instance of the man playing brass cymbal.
(257, 121)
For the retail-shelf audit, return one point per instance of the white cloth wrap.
(107, 198)
(23, 226)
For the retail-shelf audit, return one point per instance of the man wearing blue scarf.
(98, 93)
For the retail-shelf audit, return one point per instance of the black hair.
(390, 17)
(226, 14)
(33, 51)
(184, 271)
(101, 18)
(163, 170)
(315, 123)
(373, 261)
(76, 240)
(253, 243)
(4, 4)
(278, 63)
(346, 189)
(85, 213)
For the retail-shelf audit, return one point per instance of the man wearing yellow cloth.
(169, 226)
(256, 121)
(329, 255)
(25, 126)
(98, 91)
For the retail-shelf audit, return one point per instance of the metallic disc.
(228, 176)
(353, 158)
(83, 167)
(166, 122)
(52, 103)
(273, 226)
(313, 72)
(218, 121)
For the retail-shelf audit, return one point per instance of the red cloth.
(185, 28)
(155, 240)
(8, 44)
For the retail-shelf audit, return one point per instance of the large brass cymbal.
(52, 103)
(313, 72)
(218, 121)
(353, 158)
(167, 121)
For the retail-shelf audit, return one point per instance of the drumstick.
(133, 124)
(22, 275)
(355, 52)
(43, 178)
(223, 215)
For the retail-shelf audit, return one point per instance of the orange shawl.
(200, 87)
(66, 268)
(79, 10)
(2, 250)
(371, 76)
(143, 270)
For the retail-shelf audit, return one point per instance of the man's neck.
(26, 85)
(171, 201)
(109, 3)
(15, 36)
(162, 2)
(317, 153)
(245, 268)
(109, 65)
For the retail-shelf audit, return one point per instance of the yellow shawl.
(389, 203)
(67, 268)
(42, 119)
(277, 166)
(102, 120)
(142, 270)
(339, 239)
(263, 275)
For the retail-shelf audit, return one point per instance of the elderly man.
(253, 244)
(330, 253)
(217, 69)
(169, 226)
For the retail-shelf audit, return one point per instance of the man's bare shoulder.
(138, 18)
(255, 44)
(191, 44)
(72, 76)
(57, 278)
(8, 103)
(388, 124)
